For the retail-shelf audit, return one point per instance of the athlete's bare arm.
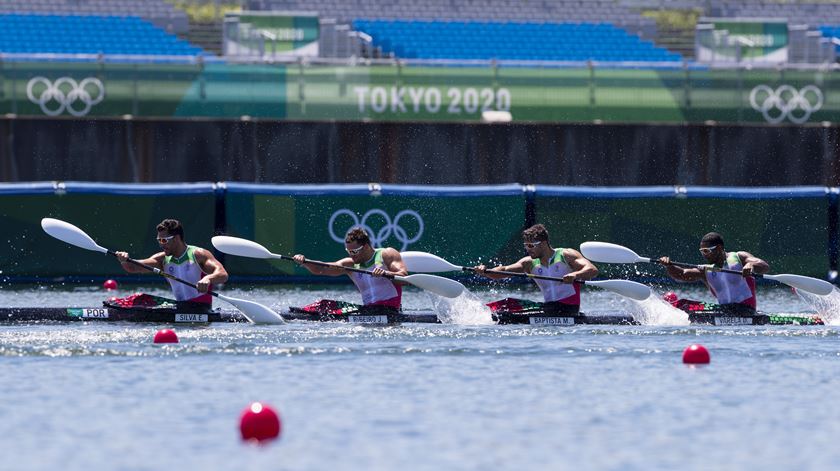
(522, 266)
(752, 264)
(682, 274)
(582, 268)
(393, 261)
(215, 273)
(155, 261)
(334, 268)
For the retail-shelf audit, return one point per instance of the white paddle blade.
(609, 253)
(627, 288)
(435, 284)
(71, 234)
(254, 311)
(805, 283)
(422, 262)
(240, 247)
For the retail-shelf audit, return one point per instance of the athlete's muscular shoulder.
(390, 251)
(525, 264)
(571, 255)
(392, 259)
(203, 255)
(159, 257)
(345, 262)
(390, 254)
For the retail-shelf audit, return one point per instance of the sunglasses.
(531, 245)
(163, 240)
(354, 251)
(708, 250)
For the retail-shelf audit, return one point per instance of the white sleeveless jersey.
(730, 288)
(186, 268)
(568, 293)
(376, 289)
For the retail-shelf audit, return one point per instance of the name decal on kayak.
(97, 313)
(190, 317)
(367, 319)
(551, 320)
(730, 320)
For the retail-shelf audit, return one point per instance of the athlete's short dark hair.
(358, 235)
(172, 227)
(535, 232)
(712, 239)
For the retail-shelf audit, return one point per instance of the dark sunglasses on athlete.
(531, 245)
(708, 250)
(163, 240)
(354, 251)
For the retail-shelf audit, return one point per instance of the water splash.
(656, 311)
(466, 309)
(827, 307)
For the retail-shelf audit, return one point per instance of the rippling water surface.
(463, 395)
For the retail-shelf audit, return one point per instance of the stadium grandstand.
(562, 30)
(600, 30)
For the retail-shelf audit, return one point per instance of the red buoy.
(696, 355)
(109, 285)
(166, 336)
(259, 423)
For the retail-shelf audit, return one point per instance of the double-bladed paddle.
(612, 253)
(426, 262)
(247, 248)
(64, 231)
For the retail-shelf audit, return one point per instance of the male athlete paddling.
(378, 292)
(561, 297)
(188, 262)
(733, 292)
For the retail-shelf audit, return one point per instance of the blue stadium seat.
(831, 32)
(88, 34)
(511, 40)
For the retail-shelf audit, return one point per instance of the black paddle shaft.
(325, 264)
(521, 275)
(691, 265)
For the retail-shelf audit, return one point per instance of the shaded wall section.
(794, 228)
(162, 151)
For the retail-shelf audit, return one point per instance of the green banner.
(270, 34)
(791, 234)
(158, 90)
(742, 40)
(116, 221)
(464, 229)
(791, 228)
(398, 93)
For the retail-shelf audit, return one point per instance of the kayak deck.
(104, 314)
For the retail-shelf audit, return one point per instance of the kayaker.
(543, 259)
(378, 292)
(733, 292)
(188, 262)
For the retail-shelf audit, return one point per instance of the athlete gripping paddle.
(379, 291)
(193, 264)
(543, 259)
(734, 292)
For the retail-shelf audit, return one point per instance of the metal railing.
(361, 59)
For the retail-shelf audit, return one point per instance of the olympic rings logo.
(388, 228)
(786, 102)
(65, 94)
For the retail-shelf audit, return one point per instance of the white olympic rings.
(389, 229)
(65, 92)
(787, 100)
